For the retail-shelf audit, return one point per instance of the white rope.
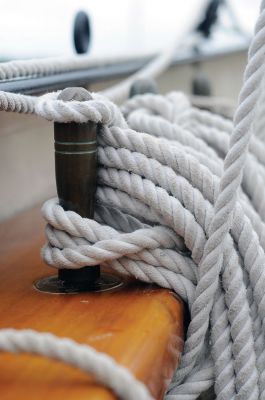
(154, 191)
(179, 206)
(116, 93)
(78, 355)
(39, 67)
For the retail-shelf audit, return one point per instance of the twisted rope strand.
(179, 206)
(81, 356)
(158, 177)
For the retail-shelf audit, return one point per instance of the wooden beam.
(140, 325)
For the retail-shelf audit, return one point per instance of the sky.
(34, 28)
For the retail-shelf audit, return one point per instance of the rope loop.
(159, 176)
(98, 110)
(181, 203)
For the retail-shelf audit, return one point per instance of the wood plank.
(140, 325)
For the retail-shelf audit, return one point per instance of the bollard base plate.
(53, 285)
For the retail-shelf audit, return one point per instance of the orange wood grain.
(140, 325)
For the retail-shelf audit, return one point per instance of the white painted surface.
(33, 28)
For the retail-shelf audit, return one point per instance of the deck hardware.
(76, 179)
(142, 86)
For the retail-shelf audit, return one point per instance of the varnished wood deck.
(139, 325)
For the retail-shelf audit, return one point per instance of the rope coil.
(155, 206)
(181, 202)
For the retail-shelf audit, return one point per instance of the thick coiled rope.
(180, 202)
(154, 211)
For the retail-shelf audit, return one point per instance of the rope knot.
(97, 109)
